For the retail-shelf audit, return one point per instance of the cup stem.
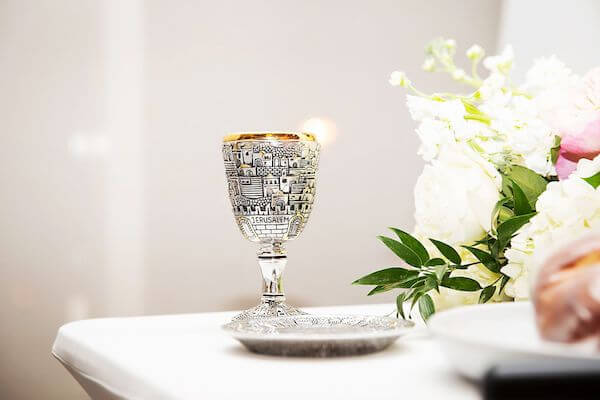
(272, 258)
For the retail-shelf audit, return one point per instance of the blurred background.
(113, 198)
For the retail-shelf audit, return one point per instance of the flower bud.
(429, 64)
(458, 74)
(398, 78)
(475, 52)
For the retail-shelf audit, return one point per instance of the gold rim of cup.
(304, 136)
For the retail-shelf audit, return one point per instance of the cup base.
(269, 309)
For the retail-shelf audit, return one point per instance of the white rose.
(455, 196)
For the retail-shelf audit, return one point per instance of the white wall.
(267, 65)
(537, 28)
(113, 198)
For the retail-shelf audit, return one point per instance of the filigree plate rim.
(237, 329)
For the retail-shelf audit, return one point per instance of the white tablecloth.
(190, 357)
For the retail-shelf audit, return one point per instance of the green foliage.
(528, 181)
(554, 151)
(487, 293)
(425, 272)
(593, 180)
(521, 203)
(386, 276)
(435, 261)
(447, 251)
(507, 229)
(474, 113)
(426, 307)
(461, 283)
(400, 304)
(485, 258)
(402, 251)
(412, 243)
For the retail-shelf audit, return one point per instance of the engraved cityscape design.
(271, 186)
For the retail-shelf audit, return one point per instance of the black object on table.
(543, 380)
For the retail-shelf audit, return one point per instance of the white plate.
(475, 338)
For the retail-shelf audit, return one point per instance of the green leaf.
(470, 107)
(496, 212)
(555, 150)
(435, 261)
(485, 258)
(381, 289)
(530, 182)
(487, 293)
(403, 284)
(416, 295)
(413, 243)
(400, 304)
(593, 180)
(474, 113)
(506, 187)
(410, 282)
(419, 290)
(402, 251)
(521, 203)
(504, 214)
(386, 276)
(447, 251)
(440, 270)
(426, 307)
(486, 240)
(431, 280)
(503, 282)
(461, 283)
(508, 228)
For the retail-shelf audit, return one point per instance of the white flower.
(522, 137)
(491, 89)
(567, 209)
(458, 74)
(429, 64)
(475, 52)
(502, 63)
(421, 108)
(433, 134)
(591, 88)
(398, 78)
(441, 122)
(548, 73)
(587, 168)
(455, 195)
(530, 139)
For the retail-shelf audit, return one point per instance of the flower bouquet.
(511, 171)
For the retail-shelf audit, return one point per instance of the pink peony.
(576, 116)
(574, 147)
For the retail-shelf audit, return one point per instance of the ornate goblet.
(271, 182)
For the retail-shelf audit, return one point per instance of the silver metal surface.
(318, 336)
(272, 185)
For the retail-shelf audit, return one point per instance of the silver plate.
(318, 335)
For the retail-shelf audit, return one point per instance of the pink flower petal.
(586, 144)
(564, 166)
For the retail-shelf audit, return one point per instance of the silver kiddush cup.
(271, 180)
